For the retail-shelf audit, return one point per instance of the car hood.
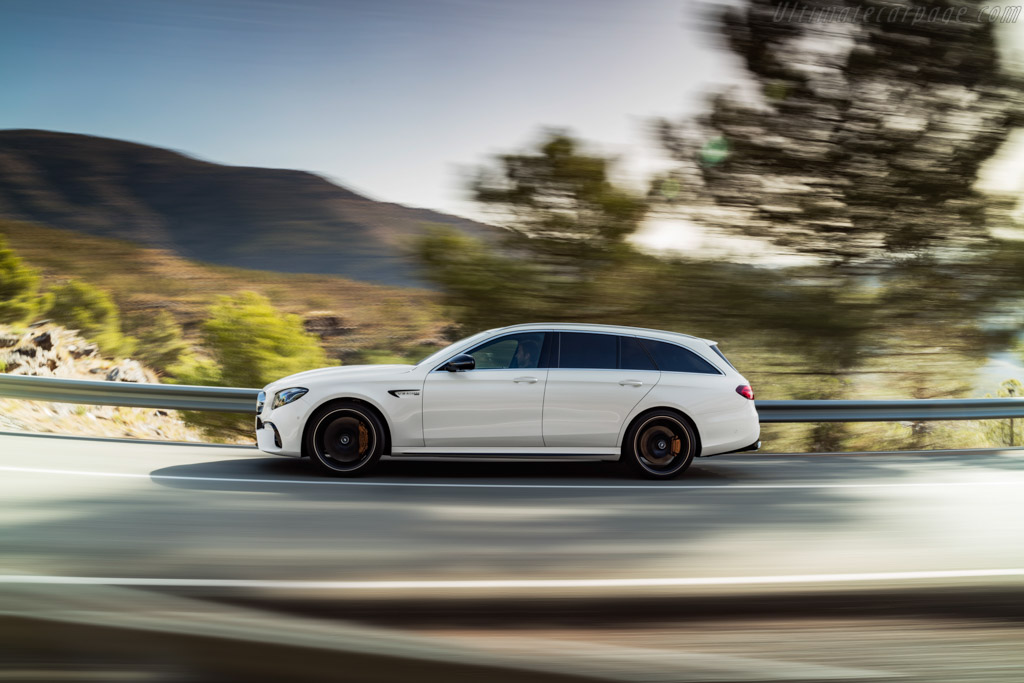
(345, 372)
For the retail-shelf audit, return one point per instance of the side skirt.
(501, 458)
(504, 453)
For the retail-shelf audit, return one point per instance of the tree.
(566, 228)
(91, 311)
(859, 144)
(19, 288)
(863, 138)
(559, 204)
(567, 257)
(251, 344)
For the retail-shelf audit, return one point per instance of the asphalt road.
(157, 561)
(76, 507)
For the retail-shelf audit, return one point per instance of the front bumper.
(267, 436)
(279, 431)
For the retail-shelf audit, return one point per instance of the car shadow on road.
(278, 471)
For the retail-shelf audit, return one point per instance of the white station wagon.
(650, 398)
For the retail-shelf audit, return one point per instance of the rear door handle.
(528, 380)
(631, 383)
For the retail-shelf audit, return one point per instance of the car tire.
(345, 439)
(660, 445)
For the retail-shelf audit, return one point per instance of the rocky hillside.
(51, 351)
(268, 219)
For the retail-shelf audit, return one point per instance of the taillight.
(745, 391)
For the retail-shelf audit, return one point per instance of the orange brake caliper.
(364, 438)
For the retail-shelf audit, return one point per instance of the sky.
(396, 99)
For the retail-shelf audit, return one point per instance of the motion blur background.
(834, 194)
(224, 192)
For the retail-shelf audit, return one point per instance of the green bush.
(251, 344)
(88, 309)
(19, 288)
(161, 345)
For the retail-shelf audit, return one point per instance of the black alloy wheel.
(661, 445)
(345, 439)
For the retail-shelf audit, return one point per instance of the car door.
(595, 383)
(498, 404)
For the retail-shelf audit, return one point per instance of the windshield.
(438, 356)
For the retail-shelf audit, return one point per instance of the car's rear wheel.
(345, 439)
(660, 445)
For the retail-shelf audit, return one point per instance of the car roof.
(612, 329)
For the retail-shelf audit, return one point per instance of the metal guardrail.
(233, 400)
(914, 410)
(92, 392)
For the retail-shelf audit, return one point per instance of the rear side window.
(588, 351)
(672, 358)
(632, 355)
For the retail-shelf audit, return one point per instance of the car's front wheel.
(345, 439)
(661, 445)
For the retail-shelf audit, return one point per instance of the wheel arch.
(347, 399)
(658, 409)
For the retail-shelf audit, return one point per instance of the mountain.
(268, 219)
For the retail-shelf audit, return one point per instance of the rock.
(127, 371)
(28, 351)
(324, 324)
(8, 340)
(84, 351)
(43, 341)
(51, 363)
(40, 323)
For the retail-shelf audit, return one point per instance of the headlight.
(286, 396)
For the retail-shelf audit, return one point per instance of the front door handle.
(528, 380)
(631, 383)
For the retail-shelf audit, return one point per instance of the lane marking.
(506, 583)
(448, 485)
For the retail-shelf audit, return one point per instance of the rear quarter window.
(672, 358)
(632, 355)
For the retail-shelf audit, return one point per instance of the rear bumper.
(756, 446)
(730, 431)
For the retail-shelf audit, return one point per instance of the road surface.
(750, 567)
(122, 509)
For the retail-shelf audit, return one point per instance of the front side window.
(585, 350)
(521, 350)
(672, 358)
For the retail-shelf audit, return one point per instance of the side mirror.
(461, 362)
